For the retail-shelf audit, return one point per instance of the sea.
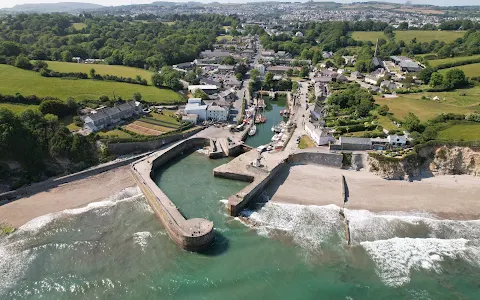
(117, 249)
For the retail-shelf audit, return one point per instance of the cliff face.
(438, 160)
(455, 160)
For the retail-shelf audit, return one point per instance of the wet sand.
(70, 195)
(450, 196)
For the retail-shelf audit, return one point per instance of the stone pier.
(189, 234)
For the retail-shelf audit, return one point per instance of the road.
(299, 117)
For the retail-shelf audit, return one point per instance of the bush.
(23, 62)
(57, 107)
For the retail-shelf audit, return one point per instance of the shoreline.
(70, 195)
(452, 197)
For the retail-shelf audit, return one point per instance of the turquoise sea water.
(116, 249)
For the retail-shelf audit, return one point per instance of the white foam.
(141, 239)
(395, 258)
(34, 225)
(13, 264)
(309, 226)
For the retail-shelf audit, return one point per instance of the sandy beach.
(451, 196)
(70, 195)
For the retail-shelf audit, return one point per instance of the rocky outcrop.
(397, 169)
(455, 160)
(432, 160)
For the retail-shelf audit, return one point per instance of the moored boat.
(252, 130)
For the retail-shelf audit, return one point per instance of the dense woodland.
(118, 40)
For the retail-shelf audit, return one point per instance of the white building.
(217, 113)
(192, 118)
(397, 140)
(196, 106)
(260, 68)
(318, 135)
(299, 34)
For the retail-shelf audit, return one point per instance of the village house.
(102, 118)
(225, 69)
(279, 70)
(320, 136)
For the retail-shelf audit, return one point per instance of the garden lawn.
(115, 133)
(17, 108)
(469, 70)
(14, 80)
(306, 142)
(120, 71)
(79, 26)
(224, 37)
(466, 132)
(427, 109)
(436, 62)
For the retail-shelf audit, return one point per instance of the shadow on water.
(219, 247)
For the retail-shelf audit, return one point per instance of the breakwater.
(190, 234)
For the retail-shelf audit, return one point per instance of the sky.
(11, 3)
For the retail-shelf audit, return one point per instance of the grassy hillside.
(436, 62)
(17, 108)
(421, 35)
(469, 70)
(465, 132)
(14, 80)
(451, 102)
(79, 26)
(120, 71)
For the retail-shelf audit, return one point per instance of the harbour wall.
(237, 202)
(54, 182)
(136, 147)
(189, 234)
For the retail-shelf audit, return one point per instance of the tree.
(157, 80)
(198, 93)
(39, 65)
(137, 96)
(23, 62)
(192, 78)
(229, 60)
(383, 110)
(268, 81)
(92, 73)
(8, 48)
(436, 79)
(304, 71)
(338, 60)
(254, 73)
(455, 78)
(411, 122)
(67, 56)
(426, 74)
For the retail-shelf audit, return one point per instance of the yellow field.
(408, 35)
(120, 71)
(450, 102)
(469, 70)
(79, 26)
(436, 62)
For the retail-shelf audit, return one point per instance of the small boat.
(252, 130)
(260, 119)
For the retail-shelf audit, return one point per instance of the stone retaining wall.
(136, 147)
(317, 158)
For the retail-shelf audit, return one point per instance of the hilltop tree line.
(118, 40)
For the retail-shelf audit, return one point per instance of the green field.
(306, 142)
(79, 26)
(115, 133)
(226, 37)
(14, 80)
(17, 108)
(450, 102)
(120, 71)
(469, 70)
(466, 132)
(436, 62)
(421, 35)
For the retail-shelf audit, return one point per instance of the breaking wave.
(141, 239)
(397, 242)
(19, 250)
